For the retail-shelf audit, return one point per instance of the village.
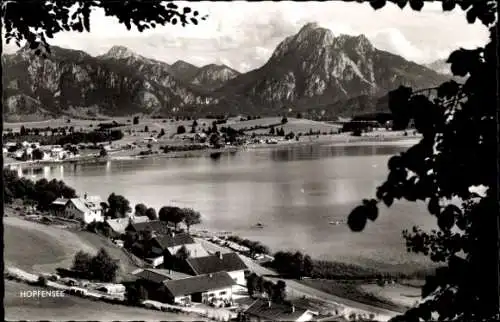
(196, 272)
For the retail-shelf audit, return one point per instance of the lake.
(293, 191)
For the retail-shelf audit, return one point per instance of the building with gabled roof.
(228, 262)
(171, 243)
(264, 310)
(157, 227)
(202, 288)
(86, 209)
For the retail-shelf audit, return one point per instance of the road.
(296, 289)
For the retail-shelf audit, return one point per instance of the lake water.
(294, 191)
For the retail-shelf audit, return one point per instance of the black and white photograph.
(250, 161)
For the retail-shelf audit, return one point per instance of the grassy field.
(69, 308)
(403, 296)
(293, 124)
(39, 247)
(352, 291)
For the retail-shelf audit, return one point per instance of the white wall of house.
(221, 294)
(87, 216)
(238, 277)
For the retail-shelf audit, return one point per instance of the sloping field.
(71, 308)
(293, 124)
(40, 248)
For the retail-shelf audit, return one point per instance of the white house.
(206, 288)
(86, 209)
(229, 262)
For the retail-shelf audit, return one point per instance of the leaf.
(377, 4)
(433, 206)
(388, 200)
(174, 21)
(187, 10)
(357, 219)
(448, 5)
(401, 3)
(448, 89)
(471, 15)
(194, 21)
(172, 5)
(417, 5)
(196, 13)
(395, 162)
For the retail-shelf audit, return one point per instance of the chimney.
(172, 234)
(269, 303)
(218, 254)
(85, 196)
(210, 275)
(293, 308)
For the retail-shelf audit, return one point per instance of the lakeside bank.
(341, 139)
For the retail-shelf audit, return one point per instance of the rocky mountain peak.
(120, 52)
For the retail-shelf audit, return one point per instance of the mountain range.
(312, 72)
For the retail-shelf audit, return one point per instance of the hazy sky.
(243, 35)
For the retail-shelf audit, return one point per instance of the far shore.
(342, 139)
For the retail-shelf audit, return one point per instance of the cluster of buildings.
(27, 151)
(210, 278)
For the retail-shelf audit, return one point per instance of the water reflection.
(294, 191)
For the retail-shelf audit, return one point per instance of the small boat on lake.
(337, 222)
(259, 225)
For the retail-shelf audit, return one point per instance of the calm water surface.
(294, 191)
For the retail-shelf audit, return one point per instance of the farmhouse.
(229, 262)
(172, 242)
(119, 225)
(264, 310)
(169, 245)
(86, 209)
(157, 227)
(201, 289)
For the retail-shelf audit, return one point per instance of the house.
(201, 289)
(168, 246)
(152, 280)
(172, 242)
(86, 209)
(157, 227)
(264, 310)
(119, 225)
(58, 207)
(229, 262)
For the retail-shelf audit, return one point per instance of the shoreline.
(329, 140)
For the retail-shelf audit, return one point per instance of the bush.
(42, 280)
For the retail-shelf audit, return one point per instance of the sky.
(243, 35)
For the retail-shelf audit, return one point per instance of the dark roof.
(152, 276)
(168, 241)
(159, 227)
(230, 262)
(274, 312)
(198, 284)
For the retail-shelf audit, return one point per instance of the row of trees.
(254, 246)
(176, 215)
(258, 285)
(64, 137)
(42, 192)
(295, 265)
(101, 267)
